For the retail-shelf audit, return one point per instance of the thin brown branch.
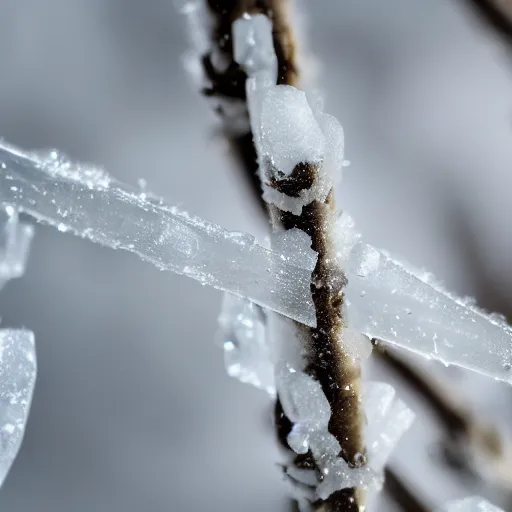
(327, 362)
(497, 14)
(402, 493)
(469, 439)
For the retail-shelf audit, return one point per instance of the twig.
(327, 362)
(230, 83)
(497, 13)
(401, 493)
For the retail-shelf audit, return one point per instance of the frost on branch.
(17, 350)
(472, 504)
(17, 380)
(247, 353)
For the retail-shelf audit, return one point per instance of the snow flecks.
(471, 504)
(279, 346)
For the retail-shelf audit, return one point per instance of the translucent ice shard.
(387, 419)
(85, 201)
(383, 299)
(247, 352)
(15, 238)
(388, 301)
(472, 504)
(17, 379)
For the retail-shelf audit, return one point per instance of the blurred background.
(133, 410)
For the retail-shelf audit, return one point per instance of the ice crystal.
(15, 238)
(387, 419)
(17, 379)
(288, 131)
(389, 301)
(247, 352)
(17, 351)
(472, 504)
(121, 217)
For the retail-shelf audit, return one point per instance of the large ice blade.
(17, 380)
(84, 200)
(383, 298)
(388, 301)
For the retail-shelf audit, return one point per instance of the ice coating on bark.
(290, 132)
(384, 299)
(356, 345)
(305, 404)
(15, 238)
(471, 504)
(258, 52)
(17, 380)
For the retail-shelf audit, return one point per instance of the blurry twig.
(401, 493)
(497, 13)
(475, 445)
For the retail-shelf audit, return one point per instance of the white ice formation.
(383, 298)
(289, 131)
(472, 504)
(199, 28)
(253, 355)
(17, 350)
(15, 238)
(247, 353)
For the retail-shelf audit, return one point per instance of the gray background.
(133, 410)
